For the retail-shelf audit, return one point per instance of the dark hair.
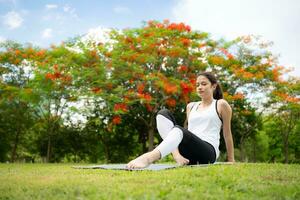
(218, 93)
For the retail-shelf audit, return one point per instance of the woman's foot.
(144, 160)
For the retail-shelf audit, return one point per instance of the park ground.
(238, 181)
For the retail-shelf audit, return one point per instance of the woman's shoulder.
(191, 104)
(223, 104)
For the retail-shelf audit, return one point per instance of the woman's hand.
(180, 159)
(230, 161)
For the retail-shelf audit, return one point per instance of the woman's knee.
(167, 114)
(164, 112)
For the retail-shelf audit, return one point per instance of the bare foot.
(144, 160)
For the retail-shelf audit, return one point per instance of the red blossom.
(182, 68)
(120, 107)
(145, 96)
(57, 75)
(140, 88)
(171, 102)
(170, 88)
(179, 27)
(186, 88)
(96, 90)
(49, 76)
(41, 53)
(228, 55)
(116, 120)
(185, 41)
(149, 107)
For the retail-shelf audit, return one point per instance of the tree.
(285, 100)
(155, 66)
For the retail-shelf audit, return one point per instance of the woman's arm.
(226, 113)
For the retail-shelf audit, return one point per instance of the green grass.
(238, 181)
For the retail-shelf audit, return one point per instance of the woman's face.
(204, 87)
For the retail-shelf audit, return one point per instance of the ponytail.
(218, 93)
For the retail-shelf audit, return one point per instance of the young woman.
(199, 144)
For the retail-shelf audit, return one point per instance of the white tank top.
(206, 124)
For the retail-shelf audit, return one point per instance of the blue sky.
(45, 22)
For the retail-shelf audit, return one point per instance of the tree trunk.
(254, 150)
(106, 149)
(151, 139)
(14, 150)
(242, 149)
(48, 149)
(286, 150)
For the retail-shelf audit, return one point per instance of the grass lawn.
(238, 181)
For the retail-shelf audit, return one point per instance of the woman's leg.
(171, 135)
(189, 145)
(165, 122)
(196, 150)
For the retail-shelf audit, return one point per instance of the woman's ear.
(214, 86)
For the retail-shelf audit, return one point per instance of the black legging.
(192, 147)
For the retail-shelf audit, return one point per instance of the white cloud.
(47, 33)
(2, 39)
(13, 20)
(70, 10)
(51, 6)
(121, 10)
(275, 20)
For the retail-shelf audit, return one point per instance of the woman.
(199, 144)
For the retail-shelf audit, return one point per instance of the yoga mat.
(152, 167)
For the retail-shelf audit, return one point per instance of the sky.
(46, 22)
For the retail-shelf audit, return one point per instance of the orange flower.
(287, 97)
(248, 75)
(170, 88)
(238, 96)
(182, 68)
(55, 67)
(17, 52)
(171, 102)
(149, 107)
(186, 88)
(228, 55)
(57, 75)
(120, 107)
(96, 90)
(147, 97)
(174, 53)
(193, 81)
(93, 54)
(49, 76)
(216, 60)
(41, 53)
(277, 73)
(179, 27)
(128, 40)
(140, 87)
(116, 119)
(185, 41)
(159, 25)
